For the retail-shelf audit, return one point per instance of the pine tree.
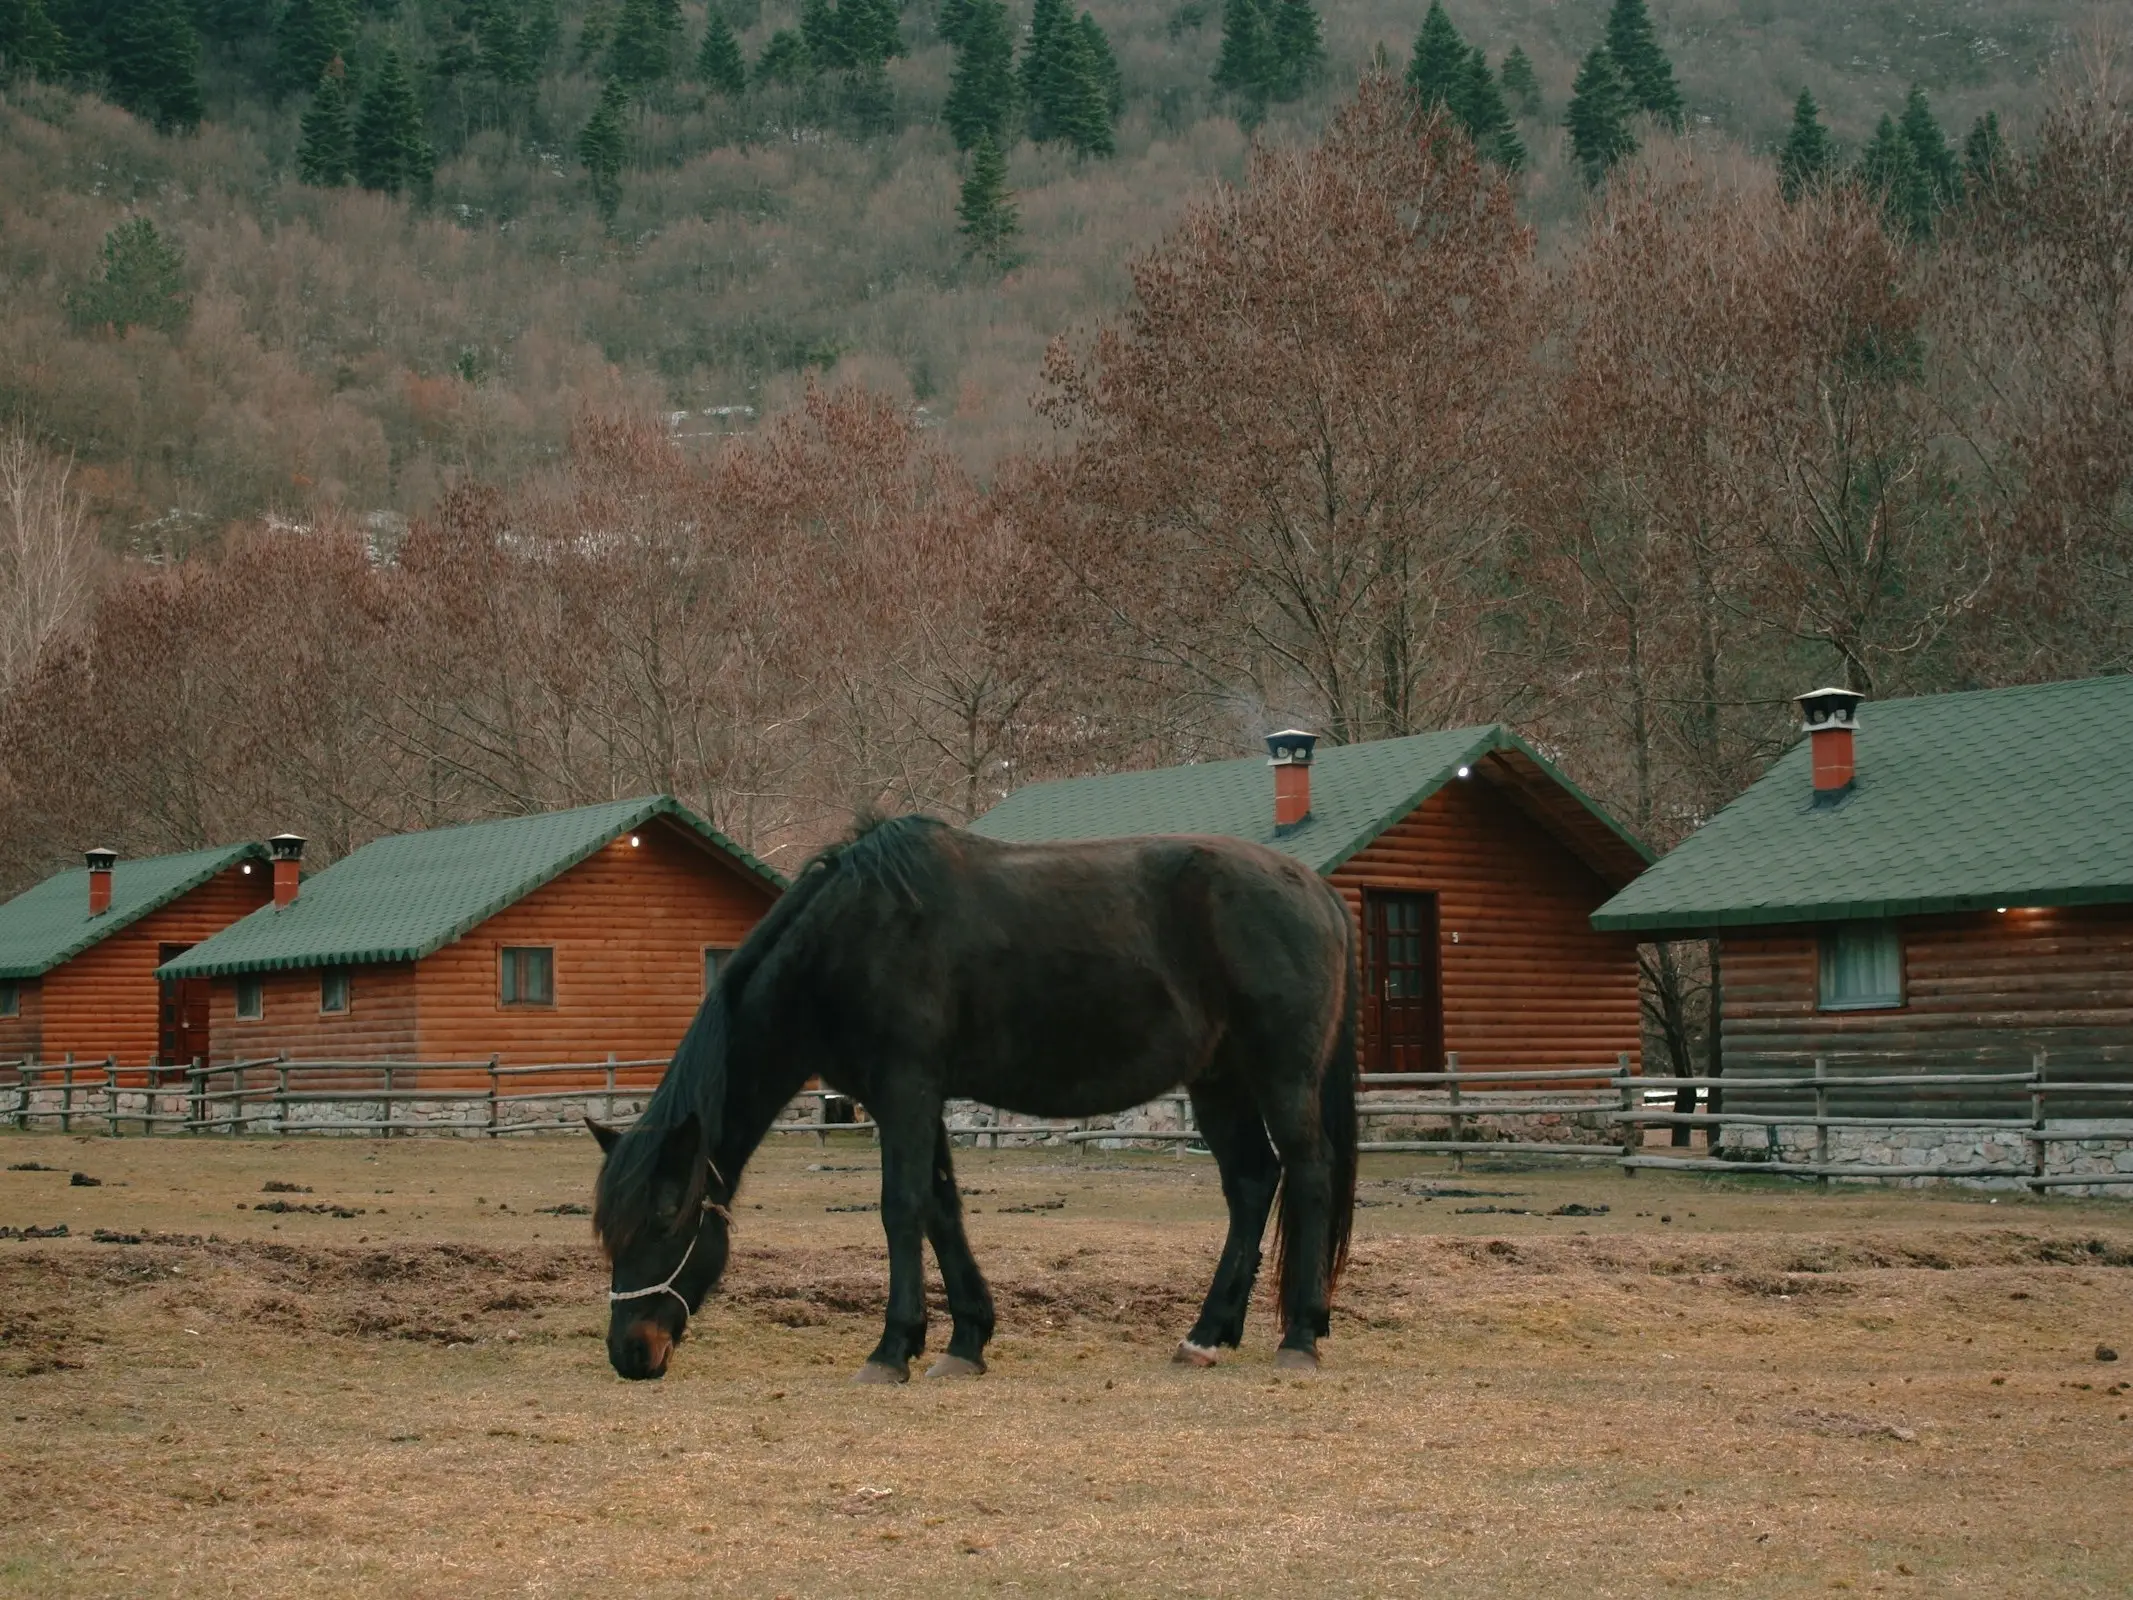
(31, 44)
(142, 284)
(500, 44)
(1929, 147)
(1520, 83)
(1647, 75)
(951, 20)
(1047, 20)
(1076, 109)
(594, 34)
(784, 60)
(877, 29)
(603, 145)
(1105, 64)
(867, 101)
(1808, 159)
(152, 61)
(326, 157)
(1984, 153)
(822, 30)
(1437, 69)
(1889, 170)
(542, 31)
(719, 66)
(982, 90)
(1598, 118)
(646, 33)
(986, 211)
(391, 152)
(1298, 48)
(1487, 119)
(1246, 66)
(308, 35)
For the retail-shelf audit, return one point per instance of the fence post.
(1632, 1131)
(610, 1114)
(822, 1119)
(1458, 1122)
(28, 1075)
(493, 1091)
(2037, 1145)
(66, 1094)
(111, 1092)
(236, 1098)
(196, 1097)
(281, 1097)
(385, 1103)
(1821, 1120)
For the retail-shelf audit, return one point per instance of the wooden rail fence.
(487, 1099)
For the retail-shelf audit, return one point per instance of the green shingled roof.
(400, 898)
(1357, 792)
(1963, 801)
(44, 926)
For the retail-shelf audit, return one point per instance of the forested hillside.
(480, 246)
(434, 444)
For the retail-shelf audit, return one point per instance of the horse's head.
(660, 1213)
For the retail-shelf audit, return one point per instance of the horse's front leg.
(906, 1194)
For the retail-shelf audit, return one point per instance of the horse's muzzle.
(640, 1350)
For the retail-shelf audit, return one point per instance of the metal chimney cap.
(1829, 708)
(287, 846)
(100, 860)
(1291, 747)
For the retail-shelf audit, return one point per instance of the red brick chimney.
(1830, 720)
(1289, 754)
(288, 852)
(100, 864)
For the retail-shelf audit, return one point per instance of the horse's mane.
(897, 854)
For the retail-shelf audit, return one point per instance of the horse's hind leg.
(1230, 1124)
(969, 1300)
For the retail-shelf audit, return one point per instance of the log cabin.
(79, 953)
(1470, 864)
(1937, 884)
(564, 937)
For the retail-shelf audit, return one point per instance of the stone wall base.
(2107, 1155)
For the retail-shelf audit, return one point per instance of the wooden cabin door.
(181, 1014)
(1403, 996)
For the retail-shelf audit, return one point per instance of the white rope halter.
(666, 1284)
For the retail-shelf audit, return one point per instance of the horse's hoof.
(881, 1372)
(1297, 1361)
(1193, 1355)
(956, 1367)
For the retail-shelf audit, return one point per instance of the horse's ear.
(604, 1134)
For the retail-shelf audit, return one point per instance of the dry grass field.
(1727, 1389)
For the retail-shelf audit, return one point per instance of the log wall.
(629, 927)
(1982, 991)
(379, 1024)
(22, 1035)
(1529, 983)
(104, 1002)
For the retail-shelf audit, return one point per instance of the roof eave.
(1697, 922)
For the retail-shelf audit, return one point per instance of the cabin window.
(715, 959)
(528, 975)
(333, 989)
(10, 1000)
(1862, 967)
(251, 1000)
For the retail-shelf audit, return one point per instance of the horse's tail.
(1337, 1086)
(1337, 1121)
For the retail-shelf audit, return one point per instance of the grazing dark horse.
(914, 963)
